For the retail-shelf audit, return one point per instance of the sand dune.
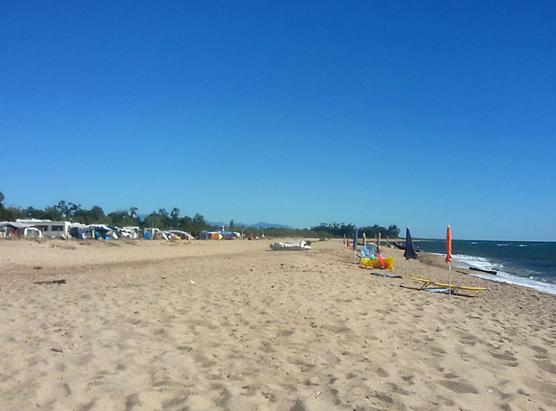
(230, 325)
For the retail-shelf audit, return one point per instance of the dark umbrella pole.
(355, 237)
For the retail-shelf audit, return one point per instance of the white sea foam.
(503, 277)
(466, 261)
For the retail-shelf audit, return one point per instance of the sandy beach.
(230, 325)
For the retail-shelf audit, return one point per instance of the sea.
(525, 263)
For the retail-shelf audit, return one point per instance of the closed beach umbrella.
(410, 251)
(448, 245)
(355, 236)
(449, 254)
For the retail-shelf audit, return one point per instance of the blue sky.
(407, 113)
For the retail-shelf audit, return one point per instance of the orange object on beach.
(380, 259)
(387, 263)
(448, 245)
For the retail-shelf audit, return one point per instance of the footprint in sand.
(468, 340)
(541, 353)
(506, 356)
(384, 397)
(459, 386)
(338, 329)
(381, 372)
(174, 403)
(408, 379)
(541, 386)
(222, 395)
(132, 401)
(298, 406)
(437, 350)
(547, 366)
(399, 390)
(285, 333)
(448, 402)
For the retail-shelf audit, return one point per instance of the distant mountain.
(268, 225)
(260, 225)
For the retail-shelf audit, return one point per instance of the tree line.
(342, 229)
(168, 220)
(163, 219)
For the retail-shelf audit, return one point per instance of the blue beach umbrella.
(409, 247)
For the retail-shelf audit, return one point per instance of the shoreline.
(501, 277)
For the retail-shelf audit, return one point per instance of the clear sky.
(412, 113)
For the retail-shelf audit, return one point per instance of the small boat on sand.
(300, 246)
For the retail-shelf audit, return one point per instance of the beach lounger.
(434, 286)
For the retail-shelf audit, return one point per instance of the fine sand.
(231, 325)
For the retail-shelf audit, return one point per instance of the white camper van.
(49, 228)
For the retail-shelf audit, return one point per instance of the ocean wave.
(466, 261)
(503, 245)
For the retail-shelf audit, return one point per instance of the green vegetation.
(174, 220)
(341, 229)
(95, 215)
